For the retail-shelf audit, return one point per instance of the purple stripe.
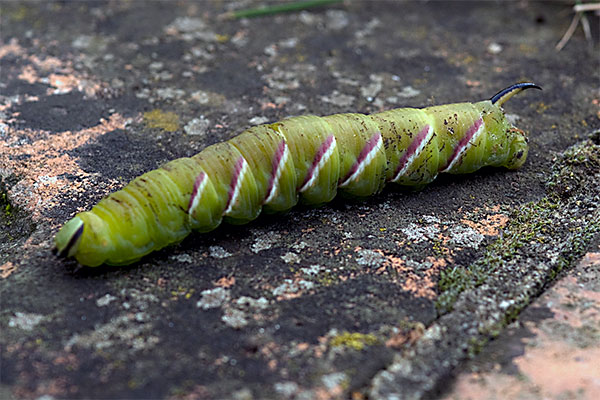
(320, 153)
(234, 179)
(275, 165)
(463, 142)
(412, 148)
(363, 154)
(197, 184)
(72, 241)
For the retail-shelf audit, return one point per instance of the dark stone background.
(377, 298)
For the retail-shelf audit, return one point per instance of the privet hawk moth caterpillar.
(306, 158)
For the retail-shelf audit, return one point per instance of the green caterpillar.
(272, 166)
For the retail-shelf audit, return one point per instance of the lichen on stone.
(354, 340)
(158, 119)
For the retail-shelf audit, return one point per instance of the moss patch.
(566, 218)
(9, 214)
(15, 223)
(5, 204)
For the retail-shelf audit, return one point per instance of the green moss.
(453, 282)
(354, 340)
(5, 205)
(19, 14)
(475, 345)
(327, 278)
(132, 384)
(8, 213)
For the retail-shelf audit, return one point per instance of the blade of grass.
(277, 9)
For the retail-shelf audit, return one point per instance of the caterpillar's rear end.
(273, 166)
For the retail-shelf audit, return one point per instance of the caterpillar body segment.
(271, 167)
(360, 145)
(270, 161)
(314, 154)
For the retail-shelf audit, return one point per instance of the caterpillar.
(308, 158)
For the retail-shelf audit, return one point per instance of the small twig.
(586, 7)
(276, 9)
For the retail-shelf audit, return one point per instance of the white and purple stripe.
(367, 154)
(472, 134)
(278, 164)
(323, 155)
(412, 152)
(239, 172)
(199, 185)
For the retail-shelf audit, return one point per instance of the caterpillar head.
(517, 153)
(86, 238)
(518, 148)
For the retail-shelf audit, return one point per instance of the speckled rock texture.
(455, 291)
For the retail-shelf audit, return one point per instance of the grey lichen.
(212, 298)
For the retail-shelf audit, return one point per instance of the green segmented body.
(306, 158)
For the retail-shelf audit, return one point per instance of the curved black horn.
(502, 96)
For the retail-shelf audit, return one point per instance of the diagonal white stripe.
(280, 167)
(364, 163)
(237, 187)
(415, 155)
(196, 200)
(465, 148)
(320, 165)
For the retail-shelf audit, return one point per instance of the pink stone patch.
(559, 354)
(472, 133)
(367, 154)
(412, 152)
(323, 155)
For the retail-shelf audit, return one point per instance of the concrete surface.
(456, 291)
